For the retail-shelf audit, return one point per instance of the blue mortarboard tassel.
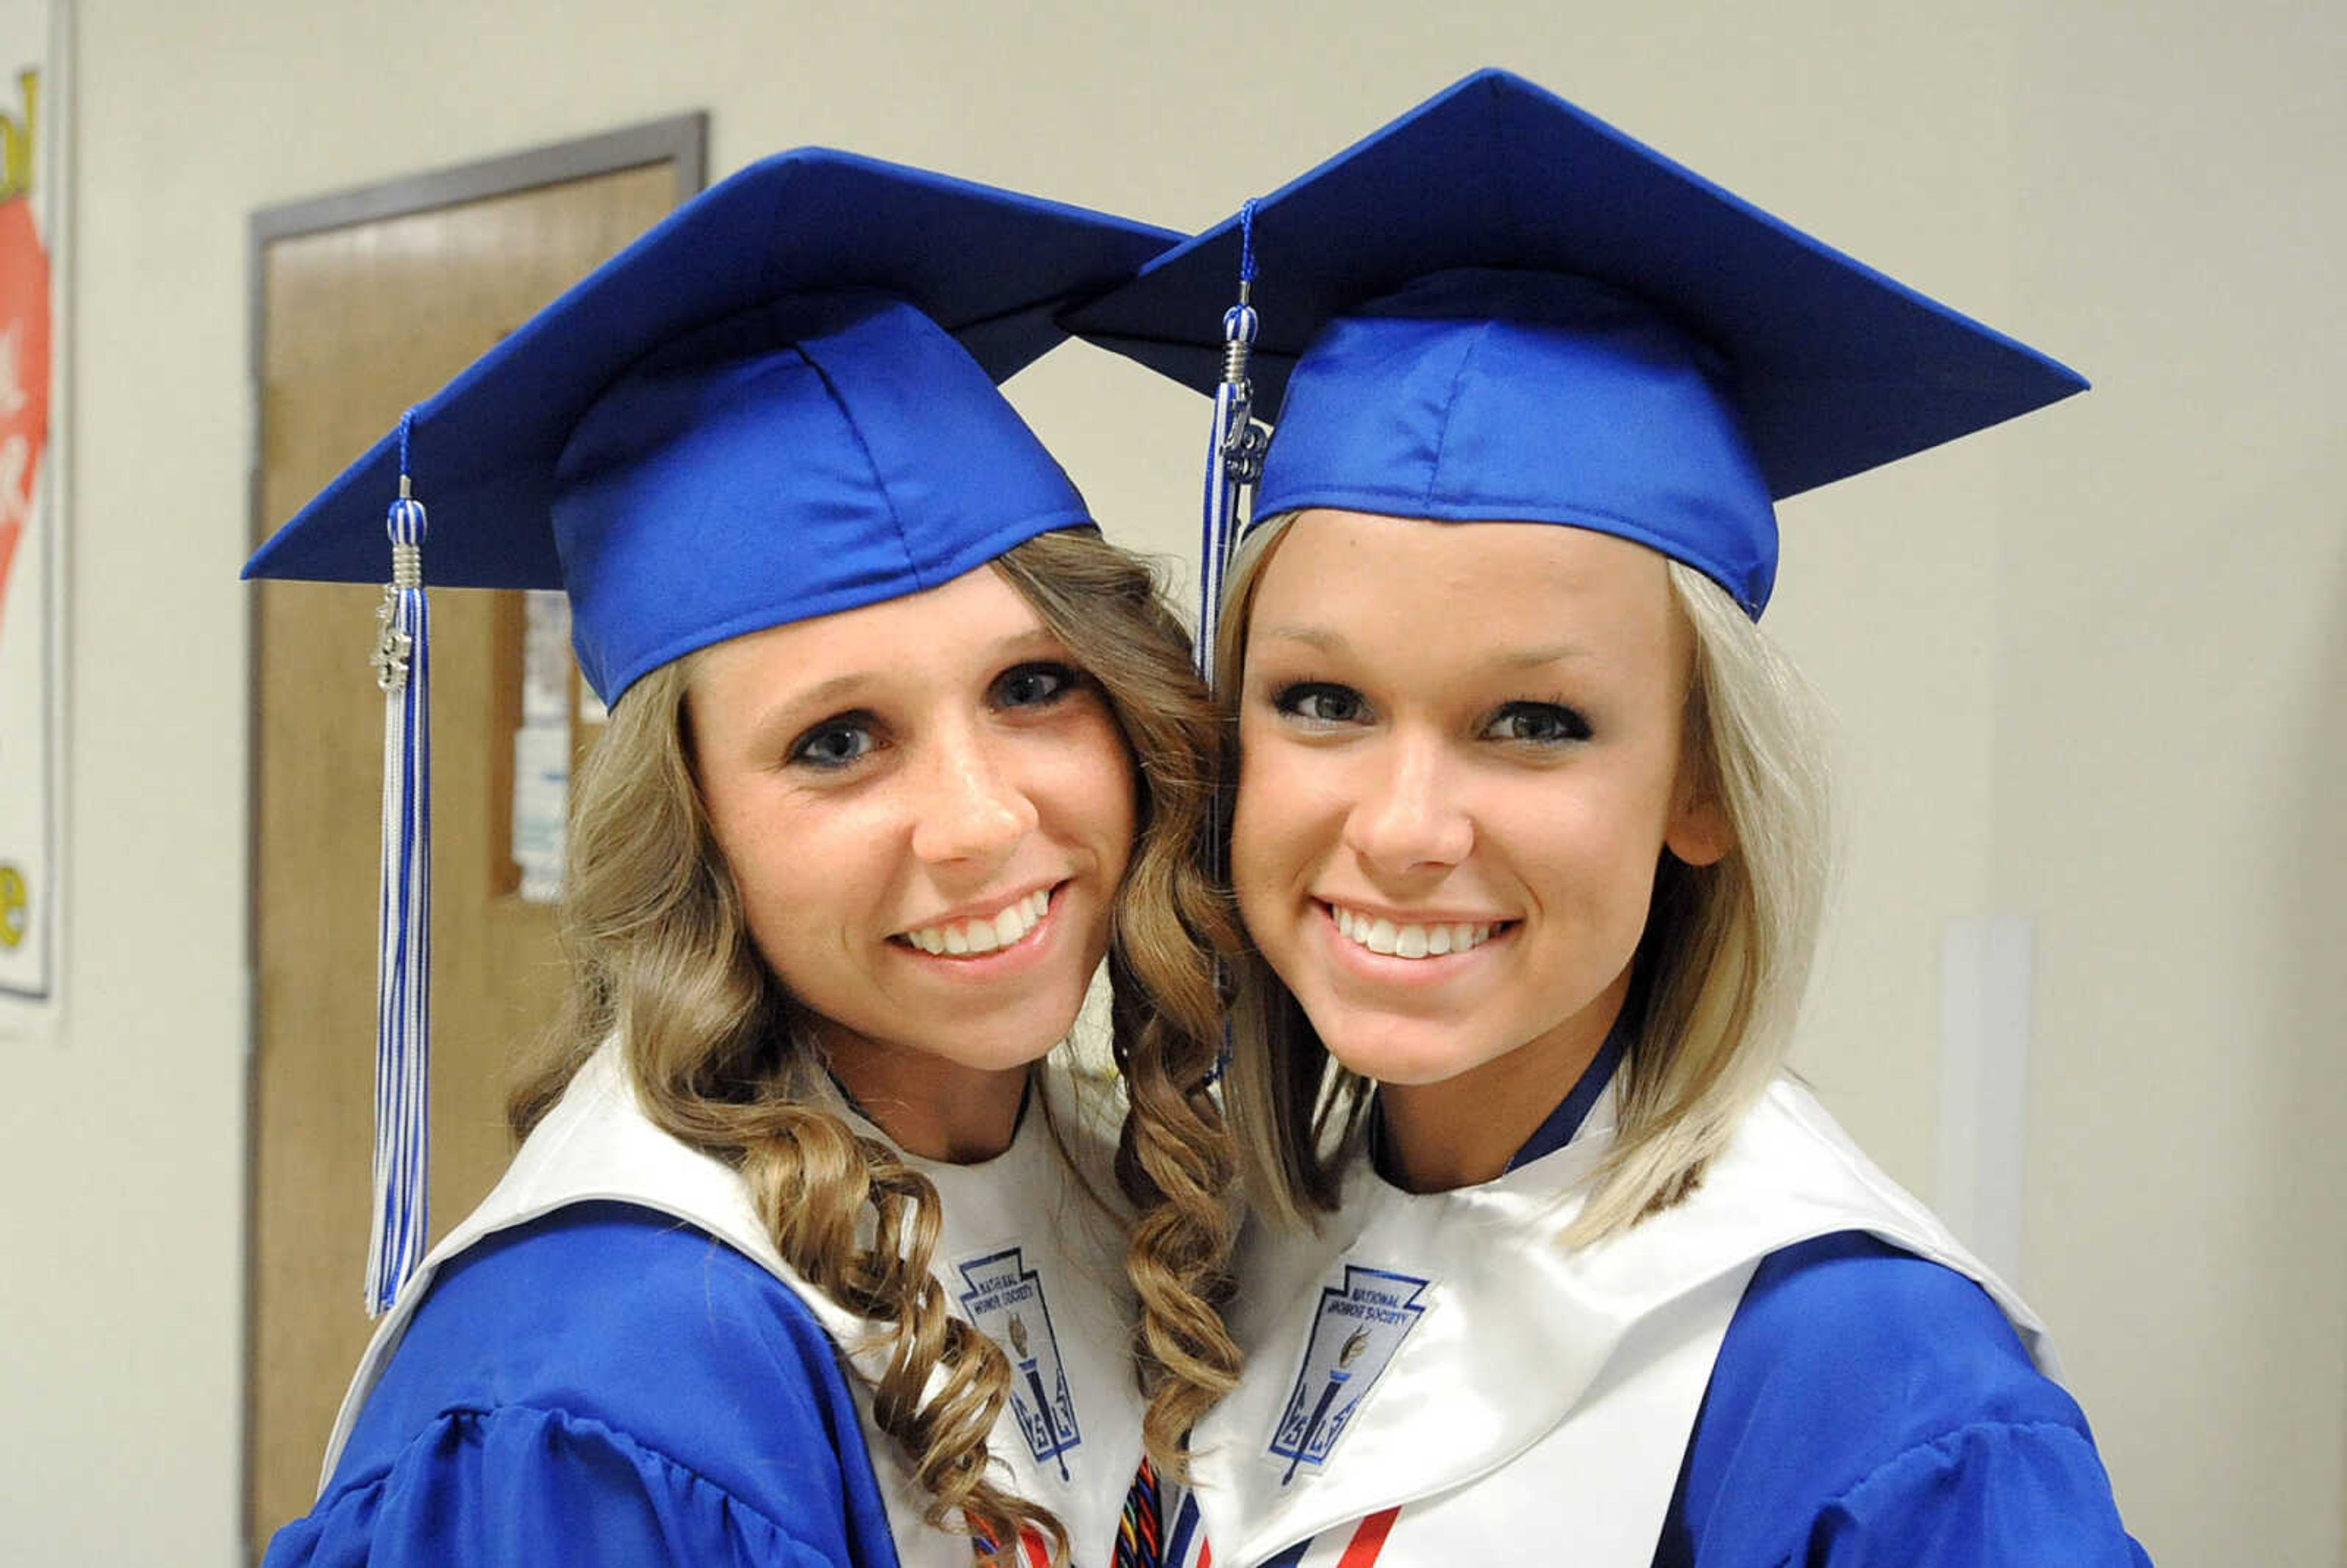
(1233, 449)
(403, 1064)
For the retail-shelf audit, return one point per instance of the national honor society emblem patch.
(1005, 1299)
(1360, 1324)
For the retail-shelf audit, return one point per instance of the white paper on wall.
(546, 656)
(541, 807)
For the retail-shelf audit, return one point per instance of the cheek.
(1286, 827)
(1093, 789)
(1253, 870)
(1590, 840)
(778, 874)
(1269, 816)
(789, 863)
(738, 830)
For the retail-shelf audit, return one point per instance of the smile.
(1393, 939)
(967, 939)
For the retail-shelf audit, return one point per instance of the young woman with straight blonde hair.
(805, 1256)
(1528, 832)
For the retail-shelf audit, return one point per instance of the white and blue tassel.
(1234, 451)
(403, 1108)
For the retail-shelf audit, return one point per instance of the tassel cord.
(401, 1176)
(1234, 448)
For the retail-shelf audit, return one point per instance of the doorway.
(363, 303)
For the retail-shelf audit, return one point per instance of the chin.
(1010, 1041)
(1401, 1050)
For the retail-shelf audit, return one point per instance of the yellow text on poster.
(17, 141)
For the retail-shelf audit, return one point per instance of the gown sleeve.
(1869, 1409)
(521, 1488)
(604, 1385)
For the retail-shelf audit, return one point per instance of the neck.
(1464, 1131)
(932, 1107)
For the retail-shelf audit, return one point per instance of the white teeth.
(983, 935)
(1382, 936)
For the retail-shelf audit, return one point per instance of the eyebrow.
(1334, 644)
(782, 720)
(820, 701)
(1310, 636)
(819, 696)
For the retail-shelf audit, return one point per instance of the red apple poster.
(32, 543)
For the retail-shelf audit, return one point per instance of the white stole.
(1445, 1355)
(1022, 1240)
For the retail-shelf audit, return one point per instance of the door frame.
(679, 140)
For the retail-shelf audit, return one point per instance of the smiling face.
(927, 809)
(1461, 752)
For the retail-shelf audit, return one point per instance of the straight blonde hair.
(1724, 956)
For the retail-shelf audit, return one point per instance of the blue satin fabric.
(603, 1386)
(1870, 1409)
(778, 404)
(1481, 395)
(810, 456)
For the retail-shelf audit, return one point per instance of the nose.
(1408, 815)
(968, 804)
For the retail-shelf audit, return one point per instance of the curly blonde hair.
(1725, 954)
(659, 950)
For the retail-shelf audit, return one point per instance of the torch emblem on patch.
(1004, 1300)
(1362, 1323)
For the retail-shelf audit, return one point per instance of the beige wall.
(2088, 669)
(2171, 779)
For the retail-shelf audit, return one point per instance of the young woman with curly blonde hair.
(806, 1255)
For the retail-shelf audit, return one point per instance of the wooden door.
(356, 321)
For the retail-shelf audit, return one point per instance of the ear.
(1699, 832)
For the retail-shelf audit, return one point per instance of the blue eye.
(1537, 723)
(1321, 703)
(835, 743)
(1033, 685)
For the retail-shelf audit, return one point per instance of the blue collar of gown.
(1565, 1121)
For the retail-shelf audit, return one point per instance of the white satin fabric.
(1537, 1408)
(1056, 1250)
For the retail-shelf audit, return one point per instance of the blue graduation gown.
(603, 1385)
(694, 1388)
(1870, 1409)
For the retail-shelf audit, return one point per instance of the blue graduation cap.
(1500, 308)
(778, 404)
